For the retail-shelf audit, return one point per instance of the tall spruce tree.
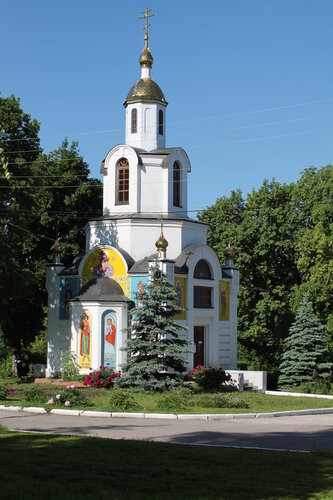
(155, 353)
(306, 356)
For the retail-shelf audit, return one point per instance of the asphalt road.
(302, 433)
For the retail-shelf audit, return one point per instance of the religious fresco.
(109, 339)
(106, 263)
(180, 289)
(85, 330)
(68, 290)
(224, 300)
(137, 289)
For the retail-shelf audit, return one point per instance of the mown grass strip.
(48, 466)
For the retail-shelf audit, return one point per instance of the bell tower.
(145, 104)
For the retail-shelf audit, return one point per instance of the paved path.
(304, 433)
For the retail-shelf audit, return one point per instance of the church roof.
(145, 90)
(145, 216)
(101, 290)
(141, 266)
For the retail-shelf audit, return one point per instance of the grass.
(149, 402)
(47, 466)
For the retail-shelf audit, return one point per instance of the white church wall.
(110, 204)
(58, 332)
(147, 136)
(96, 311)
(138, 236)
(152, 189)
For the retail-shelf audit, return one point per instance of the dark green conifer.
(306, 356)
(155, 352)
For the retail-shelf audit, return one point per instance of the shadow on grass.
(48, 466)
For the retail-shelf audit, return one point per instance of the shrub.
(5, 390)
(316, 387)
(69, 367)
(122, 400)
(210, 377)
(34, 394)
(69, 396)
(222, 401)
(6, 366)
(175, 400)
(102, 378)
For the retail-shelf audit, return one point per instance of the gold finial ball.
(229, 253)
(161, 243)
(56, 248)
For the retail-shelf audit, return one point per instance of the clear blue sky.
(249, 82)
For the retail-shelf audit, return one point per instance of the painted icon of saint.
(103, 269)
(110, 341)
(223, 302)
(139, 296)
(68, 296)
(179, 294)
(85, 337)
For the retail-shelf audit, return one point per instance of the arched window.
(202, 270)
(160, 122)
(122, 183)
(176, 185)
(134, 121)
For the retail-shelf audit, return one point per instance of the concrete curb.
(182, 416)
(298, 394)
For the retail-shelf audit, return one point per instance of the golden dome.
(229, 253)
(145, 90)
(56, 248)
(161, 243)
(146, 59)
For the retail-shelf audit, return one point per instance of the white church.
(144, 183)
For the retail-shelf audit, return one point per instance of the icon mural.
(224, 301)
(106, 263)
(109, 332)
(103, 269)
(180, 289)
(68, 290)
(139, 294)
(85, 340)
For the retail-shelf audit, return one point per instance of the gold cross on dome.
(147, 13)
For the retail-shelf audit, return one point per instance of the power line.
(226, 115)
(223, 165)
(202, 146)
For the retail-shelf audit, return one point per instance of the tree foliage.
(42, 196)
(282, 235)
(306, 357)
(155, 352)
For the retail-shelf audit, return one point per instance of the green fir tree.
(155, 352)
(306, 356)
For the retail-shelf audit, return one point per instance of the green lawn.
(99, 399)
(36, 466)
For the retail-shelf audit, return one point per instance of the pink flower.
(67, 403)
(58, 396)
(68, 386)
(72, 386)
(50, 401)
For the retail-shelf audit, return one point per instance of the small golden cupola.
(229, 255)
(161, 244)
